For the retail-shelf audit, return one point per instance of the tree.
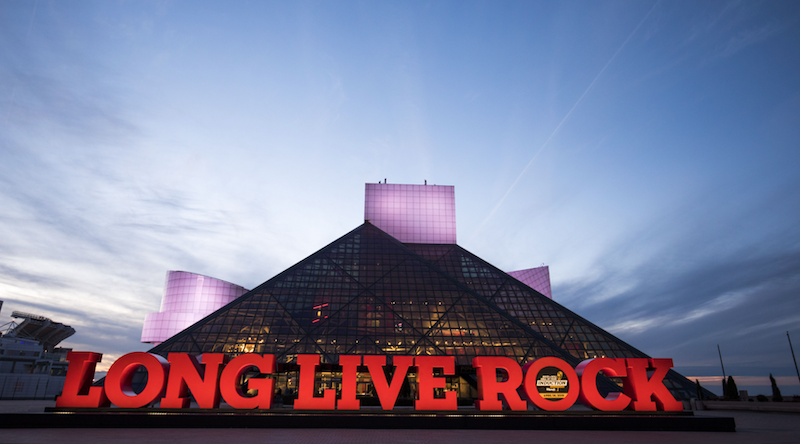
(699, 390)
(732, 391)
(776, 392)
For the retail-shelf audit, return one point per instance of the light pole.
(793, 358)
(724, 388)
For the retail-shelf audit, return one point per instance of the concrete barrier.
(782, 407)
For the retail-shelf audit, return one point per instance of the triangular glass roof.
(365, 293)
(368, 293)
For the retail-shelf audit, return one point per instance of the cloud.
(737, 25)
(724, 275)
(115, 166)
(749, 37)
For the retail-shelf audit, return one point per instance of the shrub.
(731, 391)
(776, 392)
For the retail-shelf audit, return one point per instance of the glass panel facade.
(565, 329)
(368, 293)
(364, 294)
(570, 332)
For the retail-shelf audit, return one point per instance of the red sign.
(549, 383)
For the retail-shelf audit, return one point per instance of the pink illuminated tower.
(188, 297)
(419, 214)
(426, 214)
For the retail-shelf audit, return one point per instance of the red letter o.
(118, 380)
(532, 370)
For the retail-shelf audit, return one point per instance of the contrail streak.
(580, 99)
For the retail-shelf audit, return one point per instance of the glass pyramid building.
(370, 293)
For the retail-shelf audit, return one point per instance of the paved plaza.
(752, 427)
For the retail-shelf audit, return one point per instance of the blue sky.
(648, 151)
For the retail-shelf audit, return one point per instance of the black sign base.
(378, 419)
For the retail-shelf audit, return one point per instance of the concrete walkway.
(752, 427)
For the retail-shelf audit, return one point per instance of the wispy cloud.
(735, 26)
(747, 37)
